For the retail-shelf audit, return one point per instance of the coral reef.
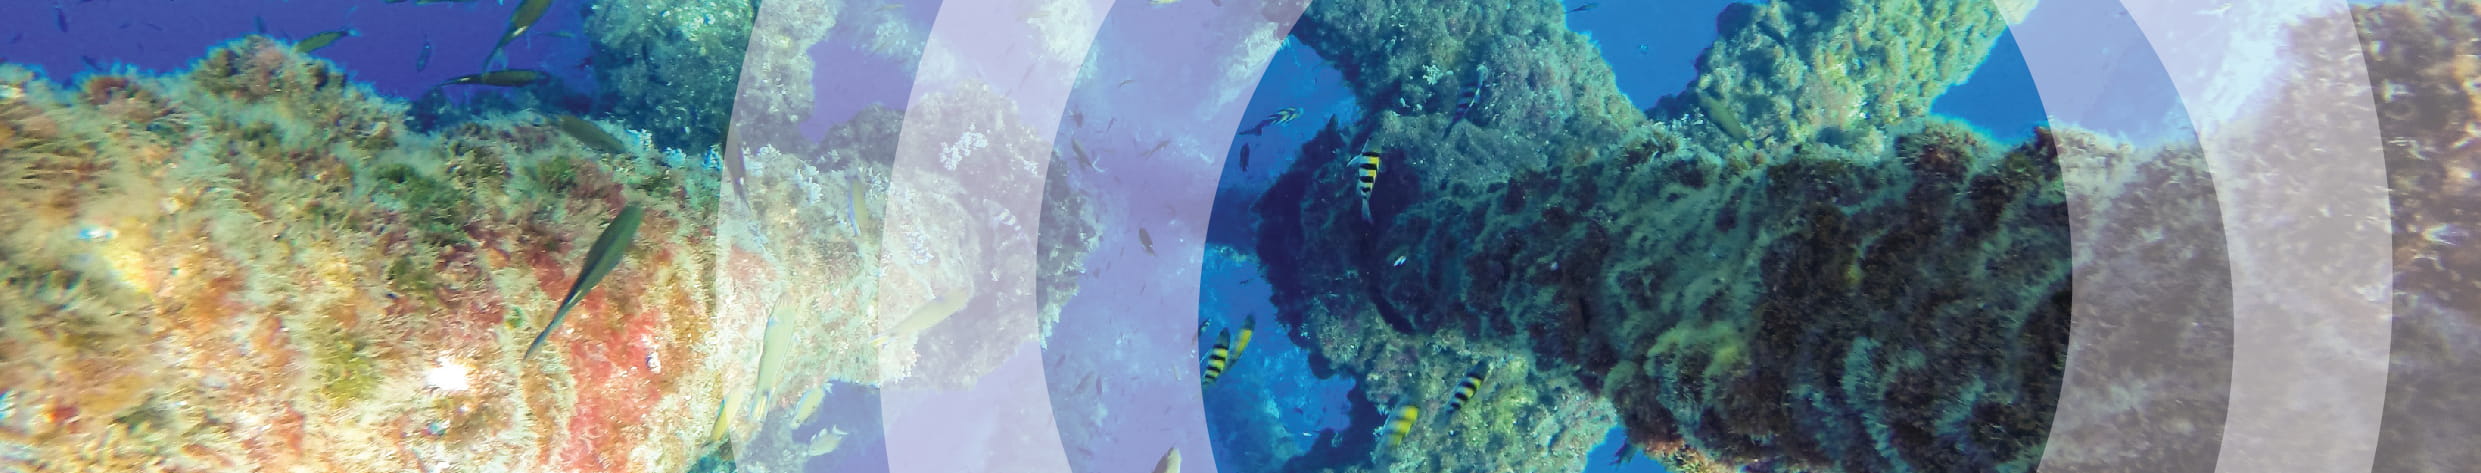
(1835, 72)
(672, 67)
(1864, 302)
(2421, 67)
(256, 264)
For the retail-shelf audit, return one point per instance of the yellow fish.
(1367, 169)
(1402, 424)
(1242, 344)
(1219, 357)
(1170, 462)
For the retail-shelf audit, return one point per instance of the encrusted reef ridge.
(1776, 270)
(257, 262)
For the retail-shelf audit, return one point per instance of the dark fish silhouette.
(600, 259)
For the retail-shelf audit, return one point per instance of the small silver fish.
(1400, 260)
(422, 60)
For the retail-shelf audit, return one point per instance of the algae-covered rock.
(1753, 295)
(672, 67)
(1837, 72)
(255, 264)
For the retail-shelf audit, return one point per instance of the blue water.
(166, 35)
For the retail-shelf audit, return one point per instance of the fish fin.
(1365, 211)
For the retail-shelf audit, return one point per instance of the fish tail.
(1365, 211)
(556, 317)
(530, 348)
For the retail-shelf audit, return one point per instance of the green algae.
(347, 371)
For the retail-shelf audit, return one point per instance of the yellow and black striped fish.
(1465, 390)
(1219, 357)
(1464, 105)
(1402, 423)
(1366, 168)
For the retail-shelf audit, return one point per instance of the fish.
(60, 18)
(1402, 423)
(723, 420)
(1170, 462)
(1218, 358)
(1073, 145)
(1464, 390)
(1400, 260)
(500, 78)
(1241, 344)
(589, 134)
(808, 405)
(1165, 2)
(1464, 105)
(891, 7)
(1125, 83)
(825, 441)
(258, 21)
(1244, 158)
(852, 207)
(422, 60)
(1367, 180)
(1077, 117)
(1145, 240)
(606, 253)
(323, 39)
(1586, 6)
(1158, 147)
(1282, 116)
(527, 13)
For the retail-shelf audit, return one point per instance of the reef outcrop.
(1895, 298)
(256, 264)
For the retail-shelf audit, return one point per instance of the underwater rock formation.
(673, 66)
(255, 263)
(2421, 66)
(1835, 72)
(1803, 304)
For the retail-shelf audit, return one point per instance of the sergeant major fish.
(1464, 105)
(1401, 423)
(1218, 358)
(1366, 170)
(1464, 390)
